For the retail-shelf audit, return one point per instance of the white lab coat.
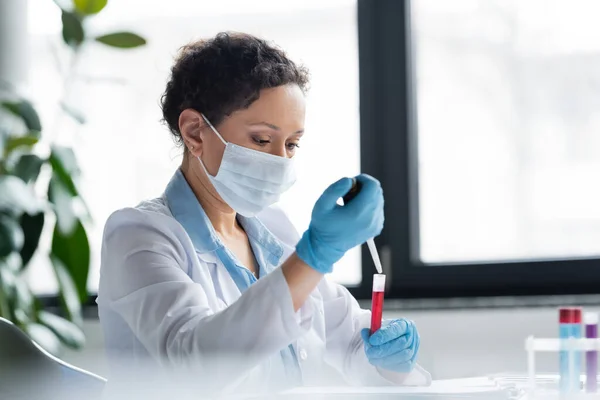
(164, 307)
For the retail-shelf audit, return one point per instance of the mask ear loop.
(204, 167)
(218, 135)
(214, 130)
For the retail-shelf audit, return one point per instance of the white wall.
(13, 41)
(455, 343)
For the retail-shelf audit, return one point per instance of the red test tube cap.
(577, 315)
(570, 315)
(565, 315)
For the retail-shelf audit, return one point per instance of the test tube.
(564, 331)
(377, 301)
(590, 319)
(577, 333)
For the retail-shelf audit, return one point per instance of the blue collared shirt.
(266, 248)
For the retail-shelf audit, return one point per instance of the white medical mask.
(250, 180)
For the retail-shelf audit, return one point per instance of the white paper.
(450, 386)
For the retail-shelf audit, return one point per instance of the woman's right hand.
(335, 229)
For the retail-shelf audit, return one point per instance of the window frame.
(389, 143)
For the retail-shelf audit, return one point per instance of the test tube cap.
(577, 315)
(565, 315)
(590, 318)
(379, 282)
(569, 315)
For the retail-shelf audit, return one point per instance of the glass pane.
(126, 155)
(508, 128)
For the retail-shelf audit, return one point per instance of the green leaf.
(9, 280)
(73, 113)
(122, 40)
(2, 142)
(16, 197)
(69, 333)
(63, 206)
(32, 226)
(67, 158)
(28, 167)
(11, 235)
(26, 112)
(68, 292)
(21, 318)
(72, 31)
(74, 252)
(12, 263)
(43, 336)
(5, 292)
(89, 7)
(24, 297)
(65, 167)
(15, 142)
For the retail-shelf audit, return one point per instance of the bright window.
(508, 128)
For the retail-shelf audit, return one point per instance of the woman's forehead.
(280, 108)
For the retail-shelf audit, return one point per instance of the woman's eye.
(293, 146)
(261, 142)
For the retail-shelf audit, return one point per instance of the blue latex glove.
(393, 347)
(335, 229)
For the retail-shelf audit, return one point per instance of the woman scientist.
(211, 280)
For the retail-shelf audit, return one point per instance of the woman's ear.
(190, 122)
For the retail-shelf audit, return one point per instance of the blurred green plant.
(40, 192)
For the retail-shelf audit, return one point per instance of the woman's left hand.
(394, 347)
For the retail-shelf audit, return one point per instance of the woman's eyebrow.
(274, 127)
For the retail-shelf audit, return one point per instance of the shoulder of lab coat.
(146, 255)
(344, 320)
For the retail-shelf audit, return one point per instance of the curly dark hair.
(224, 74)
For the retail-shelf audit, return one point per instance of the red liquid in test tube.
(377, 301)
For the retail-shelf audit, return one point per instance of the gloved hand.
(335, 229)
(393, 347)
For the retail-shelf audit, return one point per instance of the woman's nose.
(279, 150)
